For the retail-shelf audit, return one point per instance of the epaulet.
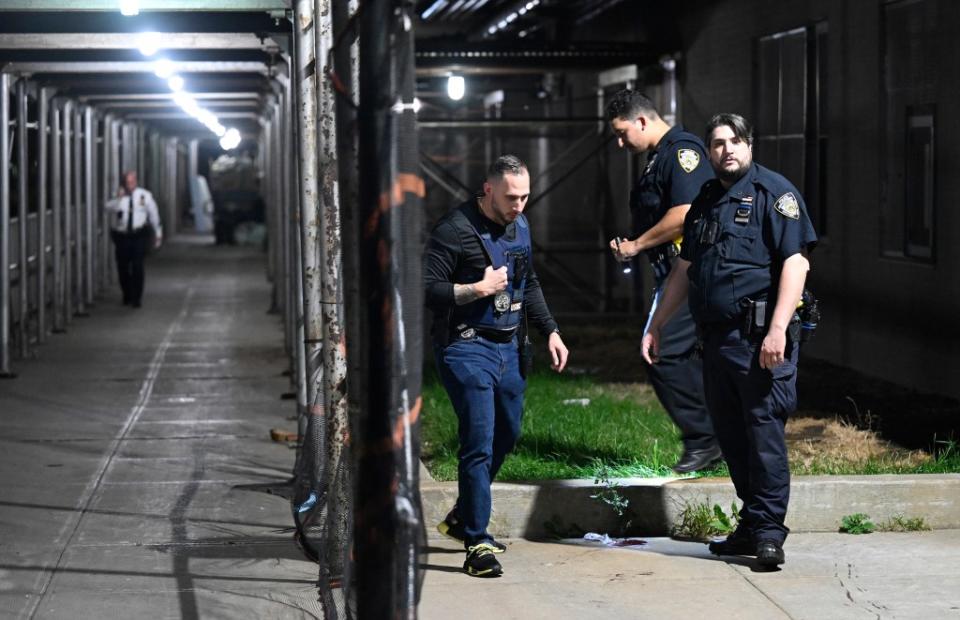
(775, 183)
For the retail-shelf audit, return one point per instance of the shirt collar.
(744, 185)
(668, 138)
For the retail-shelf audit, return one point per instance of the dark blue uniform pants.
(483, 381)
(130, 250)
(750, 406)
(677, 378)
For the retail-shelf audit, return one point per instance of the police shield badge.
(788, 206)
(501, 302)
(689, 159)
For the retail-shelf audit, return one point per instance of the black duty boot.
(695, 460)
(770, 553)
(739, 543)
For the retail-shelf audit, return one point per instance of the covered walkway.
(136, 452)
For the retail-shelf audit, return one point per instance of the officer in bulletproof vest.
(483, 291)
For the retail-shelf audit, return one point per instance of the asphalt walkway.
(124, 446)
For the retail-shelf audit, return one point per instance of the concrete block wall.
(886, 317)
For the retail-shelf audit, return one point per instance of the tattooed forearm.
(464, 294)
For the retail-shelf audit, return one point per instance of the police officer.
(135, 224)
(743, 265)
(481, 286)
(676, 170)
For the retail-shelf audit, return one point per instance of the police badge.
(689, 159)
(501, 301)
(788, 206)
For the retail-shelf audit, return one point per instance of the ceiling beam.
(182, 66)
(148, 116)
(121, 97)
(127, 40)
(113, 6)
(171, 105)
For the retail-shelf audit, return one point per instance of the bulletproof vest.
(513, 250)
(730, 263)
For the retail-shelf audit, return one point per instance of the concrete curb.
(817, 503)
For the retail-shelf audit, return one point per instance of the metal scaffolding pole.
(268, 162)
(287, 222)
(68, 239)
(291, 157)
(337, 470)
(43, 113)
(171, 220)
(23, 219)
(4, 226)
(88, 194)
(79, 218)
(107, 192)
(386, 436)
(141, 150)
(56, 199)
(308, 469)
(113, 175)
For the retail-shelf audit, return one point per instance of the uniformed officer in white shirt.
(134, 222)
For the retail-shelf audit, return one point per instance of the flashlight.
(626, 266)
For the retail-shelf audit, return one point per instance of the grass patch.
(900, 523)
(622, 428)
(701, 522)
(858, 523)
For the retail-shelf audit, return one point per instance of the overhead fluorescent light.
(149, 43)
(456, 87)
(129, 8)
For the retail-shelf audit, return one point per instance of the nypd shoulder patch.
(689, 159)
(788, 206)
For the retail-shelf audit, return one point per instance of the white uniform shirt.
(144, 208)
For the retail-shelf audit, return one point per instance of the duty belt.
(501, 336)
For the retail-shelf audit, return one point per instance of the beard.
(732, 176)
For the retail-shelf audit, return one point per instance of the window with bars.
(791, 112)
(908, 153)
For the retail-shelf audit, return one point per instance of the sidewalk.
(826, 577)
(122, 446)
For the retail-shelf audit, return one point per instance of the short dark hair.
(505, 164)
(741, 127)
(629, 104)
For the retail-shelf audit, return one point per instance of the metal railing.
(53, 268)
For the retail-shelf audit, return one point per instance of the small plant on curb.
(610, 494)
(701, 522)
(857, 523)
(900, 523)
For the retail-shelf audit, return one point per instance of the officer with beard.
(743, 265)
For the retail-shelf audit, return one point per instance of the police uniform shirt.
(454, 255)
(738, 239)
(143, 207)
(674, 174)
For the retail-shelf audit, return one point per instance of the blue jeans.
(483, 381)
(750, 406)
